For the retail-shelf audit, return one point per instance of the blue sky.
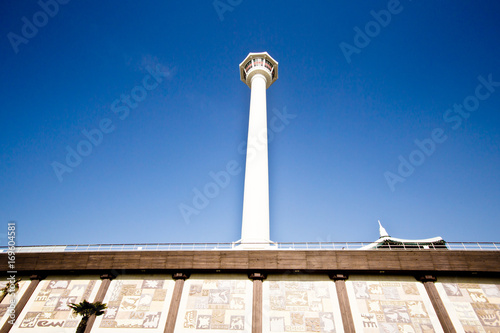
(352, 104)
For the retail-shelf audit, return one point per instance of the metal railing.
(468, 246)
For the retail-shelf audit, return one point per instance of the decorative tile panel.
(300, 303)
(472, 304)
(136, 304)
(4, 305)
(391, 304)
(48, 311)
(216, 303)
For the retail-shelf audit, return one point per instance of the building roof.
(386, 241)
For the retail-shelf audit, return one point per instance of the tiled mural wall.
(291, 303)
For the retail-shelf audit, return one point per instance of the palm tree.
(86, 310)
(8, 288)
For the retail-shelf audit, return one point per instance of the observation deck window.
(260, 62)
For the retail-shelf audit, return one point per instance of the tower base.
(255, 245)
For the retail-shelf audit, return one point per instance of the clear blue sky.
(359, 102)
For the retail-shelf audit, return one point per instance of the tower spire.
(382, 231)
(258, 71)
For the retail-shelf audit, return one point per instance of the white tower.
(258, 71)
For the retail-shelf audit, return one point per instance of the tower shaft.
(255, 226)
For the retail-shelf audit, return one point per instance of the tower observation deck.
(261, 63)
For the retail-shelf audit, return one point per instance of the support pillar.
(345, 307)
(258, 279)
(176, 300)
(106, 281)
(35, 280)
(437, 303)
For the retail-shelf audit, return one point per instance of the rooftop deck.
(468, 246)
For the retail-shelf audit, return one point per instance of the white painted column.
(255, 226)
